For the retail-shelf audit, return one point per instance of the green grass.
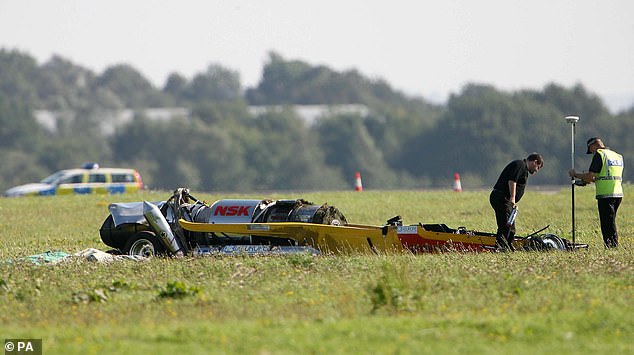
(524, 302)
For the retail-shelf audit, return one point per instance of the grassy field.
(523, 303)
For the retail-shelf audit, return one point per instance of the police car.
(90, 178)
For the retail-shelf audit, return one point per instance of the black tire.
(553, 242)
(144, 244)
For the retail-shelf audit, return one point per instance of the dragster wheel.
(553, 242)
(143, 244)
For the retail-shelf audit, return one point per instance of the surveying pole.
(572, 120)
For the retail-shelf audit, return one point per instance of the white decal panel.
(407, 229)
(249, 249)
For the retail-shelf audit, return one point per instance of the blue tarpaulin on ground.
(48, 257)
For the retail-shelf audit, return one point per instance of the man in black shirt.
(508, 191)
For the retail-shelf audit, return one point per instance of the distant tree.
(479, 131)
(275, 86)
(64, 85)
(134, 89)
(18, 128)
(286, 155)
(296, 82)
(222, 112)
(182, 153)
(216, 84)
(19, 167)
(483, 128)
(64, 153)
(348, 146)
(574, 100)
(219, 155)
(19, 77)
(175, 85)
(620, 139)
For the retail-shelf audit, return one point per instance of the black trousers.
(502, 207)
(607, 216)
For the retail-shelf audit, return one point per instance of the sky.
(422, 48)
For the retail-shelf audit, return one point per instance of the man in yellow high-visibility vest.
(606, 172)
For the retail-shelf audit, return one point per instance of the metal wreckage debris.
(184, 225)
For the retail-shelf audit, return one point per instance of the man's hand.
(580, 182)
(587, 178)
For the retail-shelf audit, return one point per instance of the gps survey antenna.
(572, 120)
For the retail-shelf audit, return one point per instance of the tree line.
(400, 142)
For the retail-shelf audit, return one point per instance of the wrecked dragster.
(184, 225)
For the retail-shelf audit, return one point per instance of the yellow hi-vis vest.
(608, 181)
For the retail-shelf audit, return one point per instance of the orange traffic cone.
(457, 186)
(358, 186)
